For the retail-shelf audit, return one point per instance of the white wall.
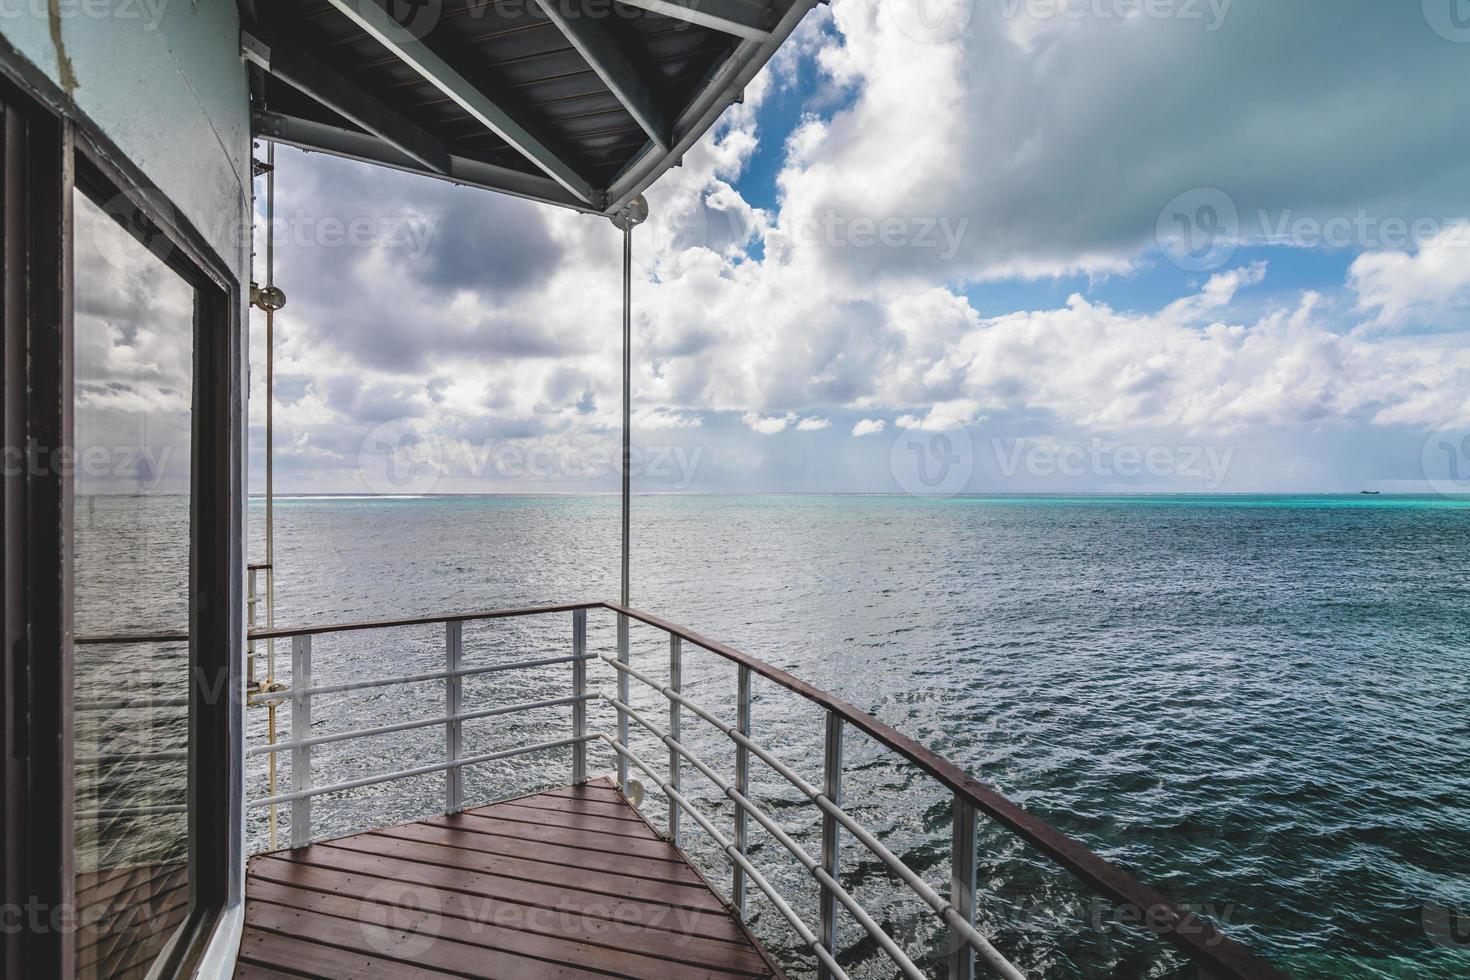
(163, 79)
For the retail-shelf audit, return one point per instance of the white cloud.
(869, 427)
(1396, 287)
(813, 424)
(768, 425)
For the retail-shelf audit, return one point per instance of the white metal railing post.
(453, 727)
(676, 684)
(742, 781)
(250, 603)
(579, 691)
(623, 697)
(962, 887)
(300, 732)
(831, 839)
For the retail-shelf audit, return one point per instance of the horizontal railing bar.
(942, 908)
(418, 771)
(383, 624)
(812, 866)
(437, 675)
(1195, 935)
(132, 811)
(173, 636)
(808, 938)
(172, 755)
(372, 624)
(123, 703)
(417, 723)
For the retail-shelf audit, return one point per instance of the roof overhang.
(578, 103)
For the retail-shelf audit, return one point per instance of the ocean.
(1259, 705)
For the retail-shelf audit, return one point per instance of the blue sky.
(942, 246)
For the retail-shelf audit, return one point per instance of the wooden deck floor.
(568, 883)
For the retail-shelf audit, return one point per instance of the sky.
(943, 246)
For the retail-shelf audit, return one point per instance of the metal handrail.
(1197, 938)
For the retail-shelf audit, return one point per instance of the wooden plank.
(591, 808)
(574, 821)
(532, 871)
(404, 946)
(550, 854)
(254, 971)
(584, 840)
(713, 925)
(302, 956)
(622, 931)
(429, 920)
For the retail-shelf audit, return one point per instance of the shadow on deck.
(568, 883)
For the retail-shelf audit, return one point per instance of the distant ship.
(1370, 493)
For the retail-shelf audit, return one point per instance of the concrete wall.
(163, 79)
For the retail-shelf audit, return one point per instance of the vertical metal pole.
(962, 887)
(831, 840)
(623, 697)
(453, 729)
(579, 689)
(300, 732)
(627, 403)
(270, 412)
(742, 781)
(676, 684)
(250, 605)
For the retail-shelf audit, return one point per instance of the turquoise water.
(1260, 705)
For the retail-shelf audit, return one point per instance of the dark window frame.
(60, 151)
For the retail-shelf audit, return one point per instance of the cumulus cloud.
(1024, 147)
(768, 425)
(1396, 287)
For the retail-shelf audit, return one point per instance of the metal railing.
(1215, 955)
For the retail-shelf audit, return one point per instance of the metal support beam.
(750, 19)
(742, 781)
(308, 134)
(454, 728)
(348, 99)
(587, 29)
(831, 835)
(676, 684)
(300, 732)
(579, 689)
(962, 888)
(414, 53)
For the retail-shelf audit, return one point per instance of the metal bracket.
(630, 215)
(255, 51)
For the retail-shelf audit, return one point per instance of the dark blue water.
(1259, 705)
